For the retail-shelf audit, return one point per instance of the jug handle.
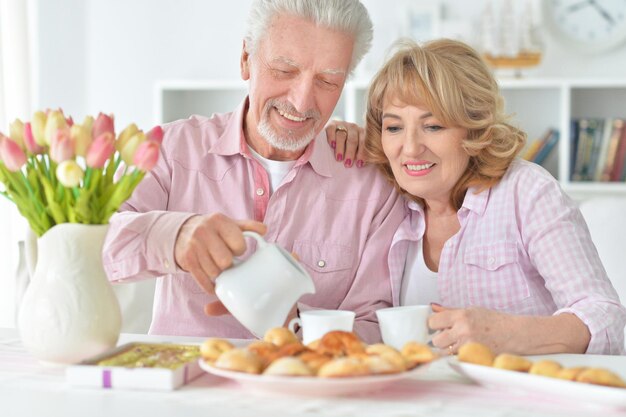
(263, 243)
(259, 239)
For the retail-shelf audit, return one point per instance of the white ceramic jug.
(69, 311)
(260, 291)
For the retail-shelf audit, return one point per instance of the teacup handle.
(292, 323)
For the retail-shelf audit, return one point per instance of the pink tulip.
(155, 135)
(69, 121)
(62, 146)
(103, 123)
(100, 150)
(147, 155)
(29, 140)
(11, 154)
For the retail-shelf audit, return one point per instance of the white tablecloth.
(28, 388)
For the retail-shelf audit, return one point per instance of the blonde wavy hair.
(452, 81)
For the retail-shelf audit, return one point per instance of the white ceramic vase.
(69, 311)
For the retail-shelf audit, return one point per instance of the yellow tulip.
(125, 136)
(38, 125)
(56, 120)
(131, 145)
(16, 132)
(69, 173)
(81, 136)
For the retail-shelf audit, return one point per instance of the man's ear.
(244, 62)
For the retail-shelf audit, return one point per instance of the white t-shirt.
(419, 284)
(277, 170)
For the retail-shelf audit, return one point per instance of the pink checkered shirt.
(339, 221)
(523, 248)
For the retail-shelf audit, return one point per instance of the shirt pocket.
(330, 266)
(494, 277)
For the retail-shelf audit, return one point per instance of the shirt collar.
(232, 141)
(476, 202)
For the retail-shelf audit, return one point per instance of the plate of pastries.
(337, 364)
(589, 378)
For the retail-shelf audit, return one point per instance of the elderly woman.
(491, 241)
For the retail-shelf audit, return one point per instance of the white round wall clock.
(587, 25)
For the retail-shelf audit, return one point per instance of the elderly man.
(268, 162)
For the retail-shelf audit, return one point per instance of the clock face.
(594, 25)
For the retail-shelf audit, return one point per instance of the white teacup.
(260, 291)
(316, 323)
(399, 325)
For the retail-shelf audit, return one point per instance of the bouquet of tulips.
(57, 171)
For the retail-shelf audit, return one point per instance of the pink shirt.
(523, 248)
(339, 221)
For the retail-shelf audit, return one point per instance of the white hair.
(348, 16)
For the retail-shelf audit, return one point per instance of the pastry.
(512, 362)
(570, 373)
(415, 354)
(290, 349)
(387, 352)
(339, 343)
(343, 367)
(280, 336)
(264, 350)
(211, 349)
(240, 360)
(379, 365)
(314, 360)
(545, 368)
(288, 366)
(600, 376)
(476, 353)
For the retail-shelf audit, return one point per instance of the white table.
(30, 389)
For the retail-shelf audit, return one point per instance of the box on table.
(152, 366)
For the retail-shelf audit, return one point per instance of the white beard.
(281, 141)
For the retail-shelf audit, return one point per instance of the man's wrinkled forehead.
(280, 59)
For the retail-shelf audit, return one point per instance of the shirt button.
(166, 264)
(260, 191)
(491, 260)
(321, 263)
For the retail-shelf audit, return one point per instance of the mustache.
(287, 107)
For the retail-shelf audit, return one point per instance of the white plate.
(502, 379)
(312, 386)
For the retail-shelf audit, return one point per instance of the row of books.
(539, 149)
(598, 150)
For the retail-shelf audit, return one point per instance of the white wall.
(119, 48)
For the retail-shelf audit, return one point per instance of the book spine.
(547, 148)
(618, 125)
(607, 132)
(620, 156)
(573, 147)
(597, 134)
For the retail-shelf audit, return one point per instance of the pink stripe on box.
(106, 378)
(186, 374)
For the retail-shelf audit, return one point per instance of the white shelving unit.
(535, 105)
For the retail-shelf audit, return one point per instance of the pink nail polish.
(360, 163)
(333, 144)
(348, 163)
(339, 157)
